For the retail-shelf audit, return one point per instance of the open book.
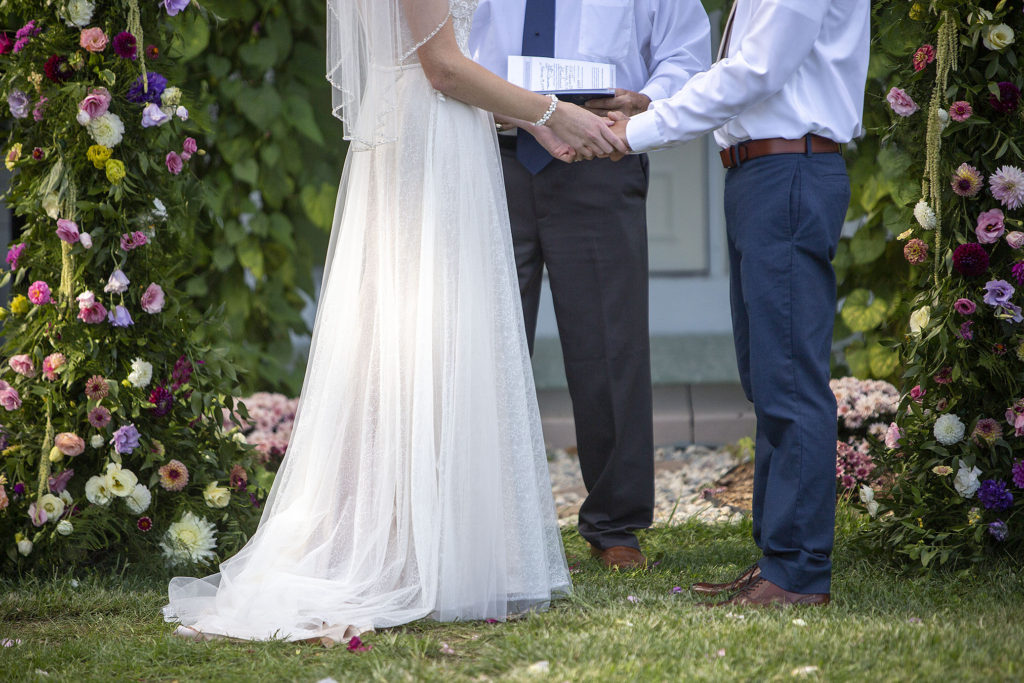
(572, 80)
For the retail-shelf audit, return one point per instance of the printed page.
(561, 76)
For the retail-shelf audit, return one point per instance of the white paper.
(561, 76)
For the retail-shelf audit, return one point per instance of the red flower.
(57, 68)
(924, 56)
(1009, 97)
(356, 645)
(144, 524)
(125, 45)
(152, 52)
(970, 260)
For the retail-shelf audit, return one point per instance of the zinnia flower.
(960, 111)
(967, 180)
(144, 524)
(915, 251)
(901, 102)
(924, 56)
(39, 293)
(970, 260)
(987, 430)
(13, 254)
(99, 417)
(125, 45)
(1009, 98)
(942, 470)
(96, 388)
(173, 476)
(1007, 185)
(948, 429)
(994, 496)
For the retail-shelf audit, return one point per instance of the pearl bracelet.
(549, 112)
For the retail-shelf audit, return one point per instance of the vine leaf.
(860, 313)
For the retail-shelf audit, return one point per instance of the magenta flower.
(356, 645)
(60, 482)
(162, 401)
(924, 56)
(144, 524)
(133, 240)
(964, 306)
(24, 35)
(57, 69)
(1007, 185)
(1018, 474)
(188, 148)
(125, 45)
(52, 365)
(96, 103)
(967, 180)
(901, 102)
(990, 226)
(917, 393)
(943, 376)
(6, 44)
(39, 293)
(13, 254)
(93, 314)
(39, 111)
(174, 163)
(23, 365)
(970, 260)
(67, 231)
(181, 373)
(960, 111)
(1009, 98)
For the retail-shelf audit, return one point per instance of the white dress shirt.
(655, 45)
(793, 67)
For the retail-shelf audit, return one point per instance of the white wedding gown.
(415, 483)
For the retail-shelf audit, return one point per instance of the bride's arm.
(457, 76)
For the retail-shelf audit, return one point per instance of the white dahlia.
(190, 539)
(925, 215)
(106, 130)
(141, 374)
(948, 429)
(139, 499)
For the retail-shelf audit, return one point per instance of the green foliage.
(270, 179)
(161, 375)
(965, 366)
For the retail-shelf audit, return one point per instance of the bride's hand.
(589, 135)
(555, 146)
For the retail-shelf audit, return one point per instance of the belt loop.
(739, 161)
(809, 140)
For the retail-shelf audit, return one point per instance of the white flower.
(948, 429)
(64, 527)
(190, 539)
(867, 496)
(52, 506)
(141, 374)
(181, 113)
(171, 96)
(96, 491)
(24, 546)
(216, 496)
(78, 12)
(967, 481)
(919, 320)
(107, 130)
(85, 239)
(998, 37)
(66, 497)
(117, 283)
(51, 205)
(943, 118)
(120, 482)
(925, 215)
(83, 117)
(139, 499)
(97, 441)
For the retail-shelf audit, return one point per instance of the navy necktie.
(538, 41)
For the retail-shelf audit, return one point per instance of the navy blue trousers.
(784, 214)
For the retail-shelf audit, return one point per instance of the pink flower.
(39, 293)
(4, 500)
(69, 444)
(917, 394)
(99, 417)
(93, 313)
(1007, 185)
(960, 111)
(944, 376)
(1015, 239)
(10, 399)
(67, 230)
(189, 147)
(23, 365)
(173, 476)
(924, 56)
(37, 514)
(967, 180)
(893, 436)
(901, 102)
(356, 645)
(990, 226)
(965, 306)
(96, 103)
(153, 299)
(52, 365)
(174, 163)
(132, 240)
(93, 39)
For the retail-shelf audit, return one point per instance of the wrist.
(546, 116)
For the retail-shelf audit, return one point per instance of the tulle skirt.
(415, 483)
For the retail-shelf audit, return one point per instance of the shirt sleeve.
(680, 46)
(779, 36)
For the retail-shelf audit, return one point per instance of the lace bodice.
(462, 20)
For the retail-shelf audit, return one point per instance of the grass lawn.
(881, 626)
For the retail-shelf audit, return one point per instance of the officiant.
(587, 224)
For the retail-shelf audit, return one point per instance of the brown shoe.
(620, 557)
(763, 593)
(750, 573)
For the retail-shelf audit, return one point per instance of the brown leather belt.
(739, 154)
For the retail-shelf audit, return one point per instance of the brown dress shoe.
(763, 593)
(750, 573)
(620, 557)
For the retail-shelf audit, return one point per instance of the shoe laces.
(748, 589)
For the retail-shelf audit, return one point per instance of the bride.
(415, 483)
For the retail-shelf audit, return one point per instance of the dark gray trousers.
(587, 223)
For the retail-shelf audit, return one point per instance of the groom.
(587, 224)
(789, 90)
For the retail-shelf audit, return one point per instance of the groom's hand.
(618, 122)
(625, 102)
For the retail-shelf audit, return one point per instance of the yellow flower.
(920, 522)
(3, 479)
(916, 11)
(98, 155)
(919, 320)
(942, 470)
(20, 305)
(56, 455)
(115, 171)
(973, 516)
(13, 156)
(905, 234)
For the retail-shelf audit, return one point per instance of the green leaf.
(861, 313)
(883, 361)
(261, 54)
(319, 204)
(247, 170)
(250, 255)
(223, 257)
(299, 113)
(859, 361)
(191, 37)
(867, 244)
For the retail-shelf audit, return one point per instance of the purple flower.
(13, 254)
(965, 330)
(998, 292)
(153, 115)
(125, 45)
(994, 496)
(970, 260)
(1007, 185)
(19, 489)
(1009, 96)
(99, 417)
(67, 231)
(132, 240)
(1009, 311)
(967, 181)
(60, 482)
(174, 6)
(18, 103)
(163, 401)
(40, 109)
(964, 306)
(998, 530)
(1018, 272)
(120, 317)
(182, 373)
(5, 43)
(126, 439)
(1018, 474)
(990, 226)
(150, 91)
(25, 34)
(960, 111)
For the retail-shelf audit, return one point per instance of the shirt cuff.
(642, 133)
(654, 92)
